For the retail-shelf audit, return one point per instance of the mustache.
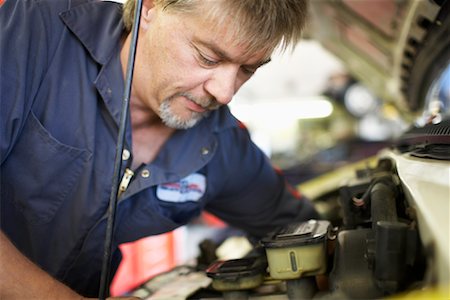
(209, 103)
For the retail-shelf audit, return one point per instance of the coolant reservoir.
(297, 250)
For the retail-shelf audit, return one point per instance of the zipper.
(125, 182)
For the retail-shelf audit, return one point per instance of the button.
(204, 150)
(145, 173)
(125, 154)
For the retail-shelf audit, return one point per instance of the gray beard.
(173, 121)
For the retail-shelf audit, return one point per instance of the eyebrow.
(223, 55)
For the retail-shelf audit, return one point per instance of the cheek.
(172, 63)
(240, 80)
(185, 70)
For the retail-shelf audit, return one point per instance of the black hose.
(383, 201)
(106, 266)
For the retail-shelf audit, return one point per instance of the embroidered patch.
(190, 188)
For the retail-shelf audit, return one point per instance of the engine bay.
(377, 241)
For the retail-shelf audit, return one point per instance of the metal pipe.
(106, 265)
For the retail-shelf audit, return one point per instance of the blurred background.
(298, 111)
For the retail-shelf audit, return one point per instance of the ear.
(147, 13)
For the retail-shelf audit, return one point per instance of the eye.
(248, 70)
(207, 61)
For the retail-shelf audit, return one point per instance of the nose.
(223, 83)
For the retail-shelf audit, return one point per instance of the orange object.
(212, 220)
(142, 260)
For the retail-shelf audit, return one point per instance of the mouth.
(191, 105)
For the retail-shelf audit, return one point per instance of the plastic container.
(297, 250)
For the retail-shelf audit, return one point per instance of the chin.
(180, 123)
(183, 120)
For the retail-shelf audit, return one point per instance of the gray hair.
(260, 24)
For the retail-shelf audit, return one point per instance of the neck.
(142, 116)
(148, 131)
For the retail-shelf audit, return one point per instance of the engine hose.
(383, 201)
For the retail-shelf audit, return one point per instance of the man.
(62, 78)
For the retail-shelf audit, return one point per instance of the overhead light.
(359, 100)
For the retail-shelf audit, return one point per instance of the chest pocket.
(40, 173)
(190, 188)
(181, 200)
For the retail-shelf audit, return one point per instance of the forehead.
(219, 32)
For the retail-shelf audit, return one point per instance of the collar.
(98, 26)
(220, 119)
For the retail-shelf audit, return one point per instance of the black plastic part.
(353, 216)
(430, 141)
(298, 234)
(441, 152)
(351, 277)
(390, 254)
(396, 252)
(234, 269)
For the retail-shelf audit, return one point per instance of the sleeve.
(253, 195)
(23, 60)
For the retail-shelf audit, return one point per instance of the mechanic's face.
(184, 69)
